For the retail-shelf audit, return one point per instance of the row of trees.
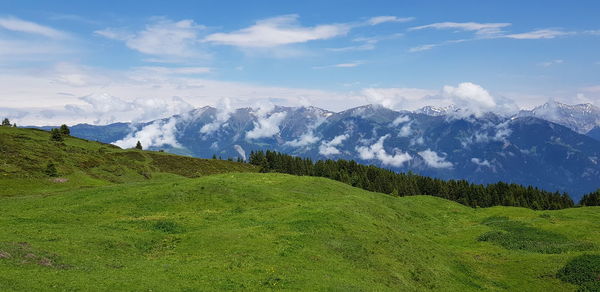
(377, 179)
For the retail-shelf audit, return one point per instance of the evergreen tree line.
(381, 180)
(591, 199)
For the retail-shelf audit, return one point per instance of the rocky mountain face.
(524, 149)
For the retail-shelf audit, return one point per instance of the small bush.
(167, 226)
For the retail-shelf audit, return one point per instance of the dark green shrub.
(64, 130)
(51, 169)
(516, 235)
(167, 226)
(583, 270)
(55, 135)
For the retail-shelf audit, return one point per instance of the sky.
(108, 61)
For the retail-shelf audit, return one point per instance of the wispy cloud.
(170, 40)
(368, 43)
(551, 63)
(431, 46)
(482, 29)
(277, 31)
(341, 65)
(538, 34)
(383, 19)
(175, 70)
(18, 25)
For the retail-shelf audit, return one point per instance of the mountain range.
(554, 146)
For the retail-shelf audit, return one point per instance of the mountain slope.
(25, 154)
(594, 133)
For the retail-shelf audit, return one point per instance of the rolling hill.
(143, 220)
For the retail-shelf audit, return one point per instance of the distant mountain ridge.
(432, 141)
(581, 118)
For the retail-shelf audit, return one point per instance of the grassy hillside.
(252, 231)
(25, 153)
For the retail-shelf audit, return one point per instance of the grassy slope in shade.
(127, 232)
(24, 154)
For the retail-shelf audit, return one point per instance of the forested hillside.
(408, 184)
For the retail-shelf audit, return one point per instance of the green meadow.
(131, 220)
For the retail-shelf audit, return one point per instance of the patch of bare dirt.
(60, 180)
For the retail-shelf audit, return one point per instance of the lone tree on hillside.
(64, 130)
(51, 169)
(138, 145)
(6, 122)
(14, 125)
(55, 135)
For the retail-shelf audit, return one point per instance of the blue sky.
(61, 58)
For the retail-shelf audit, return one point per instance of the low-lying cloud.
(159, 133)
(377, 151)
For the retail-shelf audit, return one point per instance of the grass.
(25, 154)
(185, 230)
(520, 236)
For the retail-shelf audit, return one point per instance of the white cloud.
(400, 119)
(383, 19)
(329, 148)
(171, 40)
(376, 151)
(266, 126)
(105, 109)
(19, 25)
(474, 99)
(405, 131)
(157, 134)
(224, 111)
(471, 94)
(551, 63)
(240, 151)
(397, 98)
(538, 34)
(432, 159)
(481, 162)
(482, 29)
(277, 31)
(304, 140)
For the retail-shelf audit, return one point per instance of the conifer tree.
(6, 122)
(51, 169)
(64, 130)
(138, 145)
